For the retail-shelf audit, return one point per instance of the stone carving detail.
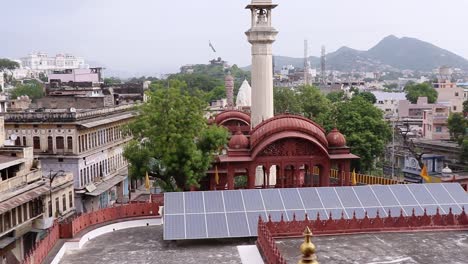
(289, 147)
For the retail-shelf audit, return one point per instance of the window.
(59, 143)
(79, 143)
(438, 129)
(13, 216)
(36, 143)
(49, 204)
(70, 199)
(70, 143)
(81, 177)
(1, 223)
(25, 211)
(7, 221)
(50, 144)
(456, 94)
(18, 141)
(64, 202)
(57, 206)
(20, 215)
(24, 142)
(454, 108)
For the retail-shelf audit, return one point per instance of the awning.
(5, 241)
(8, 161)
(106, 185)
(22, 198)
(103, 121)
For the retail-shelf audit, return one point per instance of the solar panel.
(235, 213)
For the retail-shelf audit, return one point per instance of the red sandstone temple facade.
(294, 148)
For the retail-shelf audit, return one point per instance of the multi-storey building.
(42, 62)
(29, 202)
(435, 123)
(88, 143)
(388, 102)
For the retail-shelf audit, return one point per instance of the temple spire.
(308, 249)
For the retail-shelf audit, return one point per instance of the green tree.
(335, 97)
(368, 96)
(457, 125)
(6, 64)
(172, 140)
(112, 81)
(465, 108)
(33, 89)
(464, 148)
(315, 105)
(414, 91)
(362, 125)
(286, 100)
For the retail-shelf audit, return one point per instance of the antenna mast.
(322, 65)
(306, 63)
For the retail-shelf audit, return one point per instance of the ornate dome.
(238, 141)
(287, 123)
(244, 96)
(336, 139)
(232, 115)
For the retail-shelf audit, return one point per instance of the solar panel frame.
(234, 213)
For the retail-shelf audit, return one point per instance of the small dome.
(336, 139)
(238, 141)
(446, 170)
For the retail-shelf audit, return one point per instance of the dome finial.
(308, 249)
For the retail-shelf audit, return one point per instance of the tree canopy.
(6, 64)
(358, 119)
(172, 140)
(457, 125)
(206, 81)
(33, 89)
(368, 96)
(362, 124)
(414, 91)
(465, 108)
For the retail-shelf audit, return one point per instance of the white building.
(42, 62)
(388, 102)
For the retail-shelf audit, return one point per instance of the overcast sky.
(155, 36)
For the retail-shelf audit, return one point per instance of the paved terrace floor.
(145, 245)
(385, 248)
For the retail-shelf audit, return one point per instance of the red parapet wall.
(267, 231)
(70, 228)
(43, 247)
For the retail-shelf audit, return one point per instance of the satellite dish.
(72, 110)
(13, 137)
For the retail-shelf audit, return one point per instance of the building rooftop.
(64, 115)
(417, 247)
(145, 245)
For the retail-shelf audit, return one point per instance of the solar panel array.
(223, 214)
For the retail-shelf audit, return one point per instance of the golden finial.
(308, 249)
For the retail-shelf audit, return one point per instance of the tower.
(322, 66)
(229, 85)
(306, 63)
(261, 35)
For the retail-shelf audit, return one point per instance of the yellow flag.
(147, 182)
(216, 175)
(353, 178)
(425, 175)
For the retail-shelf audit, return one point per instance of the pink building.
(91, 75)
(435, 123)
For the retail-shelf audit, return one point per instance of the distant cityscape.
(216, 155)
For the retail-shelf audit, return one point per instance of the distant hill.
(390, 53)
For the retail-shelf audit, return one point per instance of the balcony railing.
(20, 179)
(24, 117)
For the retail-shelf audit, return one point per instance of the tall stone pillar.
(229, 85)
(261, 35)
